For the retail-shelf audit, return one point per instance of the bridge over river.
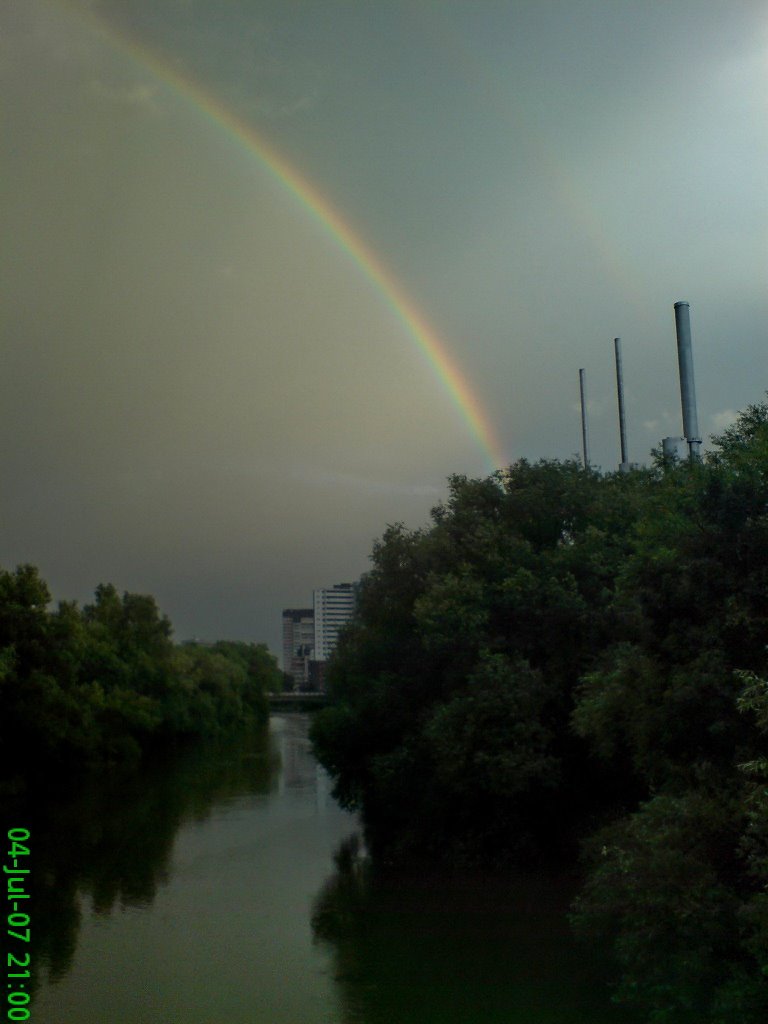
(297, 701)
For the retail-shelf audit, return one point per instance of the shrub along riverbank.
(572, 664)
(102, 684)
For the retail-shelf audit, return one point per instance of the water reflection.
(300, 772)
(421, 948)
(110, 843)
(198, 890)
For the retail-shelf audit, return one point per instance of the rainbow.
(418, 328)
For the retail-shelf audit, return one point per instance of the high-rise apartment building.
(333, 607)
(298, 644)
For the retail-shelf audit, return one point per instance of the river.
(206, 889)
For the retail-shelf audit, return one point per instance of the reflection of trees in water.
(419, 949)
(113, 840)
(298, 766)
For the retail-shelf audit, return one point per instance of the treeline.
(566, 663)
(104, 683)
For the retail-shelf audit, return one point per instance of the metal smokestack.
(624, 467)
(584, 432)
(687, 387)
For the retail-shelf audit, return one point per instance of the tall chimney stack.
(687, 387)
(584, 431)
(624, 466)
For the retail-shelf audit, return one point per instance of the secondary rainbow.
(322, 211)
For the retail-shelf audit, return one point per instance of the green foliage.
(659, 886)
(105, 683)
(491, 739)
(676, 703)
(566, 656)
(221, 685)
(455, 683)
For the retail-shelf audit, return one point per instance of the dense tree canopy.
(78, 687)
(455, 683)
(566, 660)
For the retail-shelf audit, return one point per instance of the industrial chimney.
(584, 431)
(624, 466)
(687, 387)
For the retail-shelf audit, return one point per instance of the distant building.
(298, 644)
(333, 608)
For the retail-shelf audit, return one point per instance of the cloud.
(720, 420)
(665, 422)
(136, 95)
(325, 477)
(272, 107)
(595, 407)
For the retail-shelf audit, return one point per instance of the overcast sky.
(205, 398)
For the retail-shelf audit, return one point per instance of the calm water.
(206, 890)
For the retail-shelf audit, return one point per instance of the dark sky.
(204, 397)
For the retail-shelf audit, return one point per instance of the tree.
(79, 688)
(512, 583)
(563, 655)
